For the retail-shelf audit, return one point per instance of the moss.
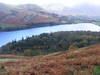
(97, 70)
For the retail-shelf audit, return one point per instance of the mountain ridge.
(84, 9)
(24, 16)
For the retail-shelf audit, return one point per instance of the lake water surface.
(6, 37)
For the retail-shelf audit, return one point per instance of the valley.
(56, 38)
(19, 34)
(27, 16)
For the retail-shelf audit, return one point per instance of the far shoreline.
(36, 27)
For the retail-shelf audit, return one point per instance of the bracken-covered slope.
(31, 15)
(23, 14)
(76, 62)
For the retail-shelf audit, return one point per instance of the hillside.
(31, 15)
(24, 16)
(85, 9)
(85, 61)
(49, 43)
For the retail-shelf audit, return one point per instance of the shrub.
(2, 67)
(28, 52)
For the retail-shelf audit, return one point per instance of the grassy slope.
(97, 23)
(84, 61)
(4, 27)
(97, 70)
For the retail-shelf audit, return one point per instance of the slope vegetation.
(31, 15)
(52, 42)
(24, 16)
(84, 61)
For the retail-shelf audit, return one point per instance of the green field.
(7, 27)
(97, 70)
(97, 23)
(8, 60)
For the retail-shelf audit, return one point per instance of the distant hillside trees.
(53, 42)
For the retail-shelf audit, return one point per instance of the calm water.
(6, 37)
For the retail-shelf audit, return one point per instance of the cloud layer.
(43, 2)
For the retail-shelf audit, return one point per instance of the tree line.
(52, 42)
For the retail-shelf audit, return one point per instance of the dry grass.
(78, 62)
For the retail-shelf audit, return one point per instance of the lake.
(6, 37)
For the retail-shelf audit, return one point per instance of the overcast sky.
(43, 2)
